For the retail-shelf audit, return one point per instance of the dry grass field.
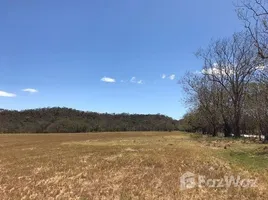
(141, 165)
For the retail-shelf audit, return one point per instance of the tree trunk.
(204, 132)
(227, 130)
(236, 121)
(214, 133)
(266, 135)
(236, 130)
(265, 138)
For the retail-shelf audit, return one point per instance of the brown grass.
(142, 165)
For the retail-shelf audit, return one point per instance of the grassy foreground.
(141, 165)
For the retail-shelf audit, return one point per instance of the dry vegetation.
(142, 165)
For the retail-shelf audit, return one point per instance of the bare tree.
(231, 63)
(256, 109)
(205, 99)
(254, 14)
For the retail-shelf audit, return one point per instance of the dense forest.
(65, 120)
(230, 94)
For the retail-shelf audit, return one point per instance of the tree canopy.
(66, 120)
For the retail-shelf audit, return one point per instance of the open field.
(141, 165)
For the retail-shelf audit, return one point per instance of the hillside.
(66, 120)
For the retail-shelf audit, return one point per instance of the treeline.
(230, 94)
(66, 120)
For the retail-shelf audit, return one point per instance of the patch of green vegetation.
(196, 135)
(249, 158)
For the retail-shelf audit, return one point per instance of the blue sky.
(62, 52)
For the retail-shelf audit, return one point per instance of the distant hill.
(66, 120)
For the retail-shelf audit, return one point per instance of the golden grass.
(132, 165)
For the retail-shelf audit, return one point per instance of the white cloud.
(172, 77)
(133, 79)
(217, 72)
(6, 94)
(30, 90)
(211, 71)
(164, 76)
(108, 80)
(261, 67)
(198, 72)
